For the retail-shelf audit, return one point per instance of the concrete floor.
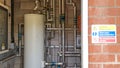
(18, 62)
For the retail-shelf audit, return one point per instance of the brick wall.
(104, 12)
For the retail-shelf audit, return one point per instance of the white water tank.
(34, 40)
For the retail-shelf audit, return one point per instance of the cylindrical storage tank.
(34, 40)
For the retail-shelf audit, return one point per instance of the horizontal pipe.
(59, 46)
(73, 55)
(61, 29)
(53, 63)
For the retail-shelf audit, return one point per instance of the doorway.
(63, 31)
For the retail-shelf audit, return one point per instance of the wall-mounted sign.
(104, 34)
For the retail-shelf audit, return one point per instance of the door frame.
(84, 33)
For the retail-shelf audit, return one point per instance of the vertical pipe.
(19, 39)
(74, 7)
(34, 41)
(59, 7)
(63, 30)
(63, 6)
(75, 26)
(63, 41)
(54, 13)
(59, 32)
(62, 22)
(75, 46)
(44, 1)
(60, 26)
(12, 20)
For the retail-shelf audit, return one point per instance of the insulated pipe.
(34, 41)
(37, 5)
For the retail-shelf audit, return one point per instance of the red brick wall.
(104, 12)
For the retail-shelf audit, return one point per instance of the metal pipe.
(61, 29)
(60, 32)
(53, 54)
(53, 46)
(63, 40)
(75, 66)
(74, 10)
(54, 15)
(63, 6)
(51, 3)
(60, 26)
(54, 63)
(59, 39)
(20, 38)
(75, 26)
(60, 7)
(46, 46)
(12, 20)
(44, 1)
(75, 38)
(48, 7)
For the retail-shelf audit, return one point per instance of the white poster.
(104, 34)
